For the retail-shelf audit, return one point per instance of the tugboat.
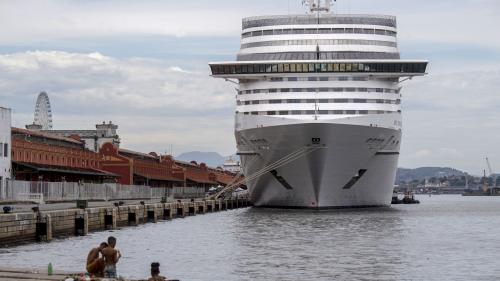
(409, 198)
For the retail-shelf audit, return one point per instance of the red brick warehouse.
(38, 156)
(136, 168)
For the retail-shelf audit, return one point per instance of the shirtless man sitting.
(95, 264)
(111, 258)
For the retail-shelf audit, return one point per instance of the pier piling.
(167, 211)
(133, 218)
(109, 219)
(201, 207)
(152, 216)
(180, 210)
(191, 208)
(44, 228)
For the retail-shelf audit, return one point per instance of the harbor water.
(446, 237)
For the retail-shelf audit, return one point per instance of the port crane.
(490, 170)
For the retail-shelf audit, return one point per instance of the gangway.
(289, 158)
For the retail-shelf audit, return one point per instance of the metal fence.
(15, 190)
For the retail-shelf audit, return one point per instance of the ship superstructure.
(319, 80)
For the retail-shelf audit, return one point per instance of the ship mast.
(318, 6)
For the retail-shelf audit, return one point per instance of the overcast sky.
(143, 65)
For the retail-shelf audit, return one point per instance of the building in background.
(197, 174)
(5, 147)
(39, 156)
(136, 168)
(232, 164)
(94, 139)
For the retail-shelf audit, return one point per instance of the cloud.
(452, 120)
(422, 153)
(49, 20)
(167, 103)
(451, 116)
(178, 69)
(95, 80)
(425, 21)
(449, 119)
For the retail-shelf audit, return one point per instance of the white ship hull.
(319, 80)
(324, 178)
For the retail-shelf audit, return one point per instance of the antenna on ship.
(318, 6)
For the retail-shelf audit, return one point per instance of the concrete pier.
(9, 274)
(30, 275)
(27, 227)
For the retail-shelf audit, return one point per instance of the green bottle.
(49, 269)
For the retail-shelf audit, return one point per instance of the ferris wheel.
(43, 113)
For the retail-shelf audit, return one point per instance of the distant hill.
(407, 175)
(212, 159)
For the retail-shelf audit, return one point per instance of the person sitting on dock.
(155, 273)
(95, 264)
(111, 258)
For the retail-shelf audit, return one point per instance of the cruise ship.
(318, 107)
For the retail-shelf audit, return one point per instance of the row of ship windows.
(344, 55)
(418, 67)
(315, 78)
(320, 78)
(379, 101)
(319, 112)
(319, 42)
(320, 31)
(312, 19)
(321, 90)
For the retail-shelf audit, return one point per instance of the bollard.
(82, 204)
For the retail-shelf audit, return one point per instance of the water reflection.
(340, 244)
